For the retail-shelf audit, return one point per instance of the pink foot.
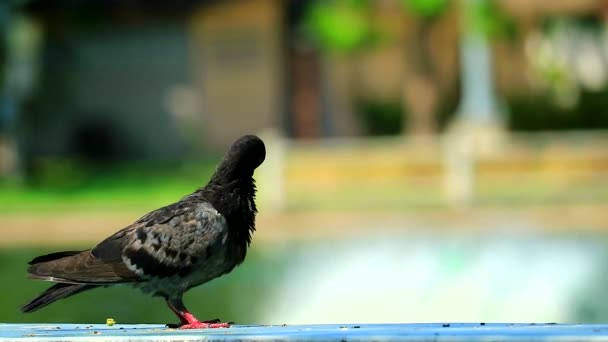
(188, 321)
(204, 325)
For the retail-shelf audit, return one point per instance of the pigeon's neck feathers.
(228, 172)
(231, 191)
(235, 201)
(227, 185)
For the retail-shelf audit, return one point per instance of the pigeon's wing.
(168, 241)
(80, 268)
(163, 243)
(103, 264)
(87, 267)
(112, 248)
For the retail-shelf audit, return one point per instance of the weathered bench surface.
(324, 332)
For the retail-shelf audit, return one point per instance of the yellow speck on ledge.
(110, 321)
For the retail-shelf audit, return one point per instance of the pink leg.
(188, 321)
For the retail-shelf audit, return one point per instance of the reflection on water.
(438, 277)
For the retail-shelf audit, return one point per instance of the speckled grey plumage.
(171, 249)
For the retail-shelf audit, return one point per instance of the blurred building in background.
(189, 69)
(179, 75)
(108, 81)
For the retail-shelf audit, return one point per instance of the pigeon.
(172, 249)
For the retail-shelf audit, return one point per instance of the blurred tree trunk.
(306, 95)
(420, 86)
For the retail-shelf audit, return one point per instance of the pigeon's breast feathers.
(231, 190)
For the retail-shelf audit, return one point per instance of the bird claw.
(196, 324)
(204, 325)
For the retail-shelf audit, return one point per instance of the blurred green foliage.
(426, 8)
(487, 18)
(345, 26)
(541, 113)
(338, 26)
(380, 117)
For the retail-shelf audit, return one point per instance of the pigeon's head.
(243, 157)
(248, 151)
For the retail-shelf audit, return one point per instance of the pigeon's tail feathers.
(54, 293)
(53, 256)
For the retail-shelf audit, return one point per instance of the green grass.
(130, 187)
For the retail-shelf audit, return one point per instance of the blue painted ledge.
(329, 332)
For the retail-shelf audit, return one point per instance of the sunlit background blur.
(428, 160)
